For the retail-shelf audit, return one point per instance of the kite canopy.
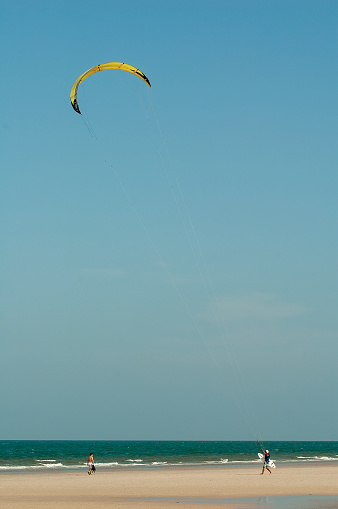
(103, 67)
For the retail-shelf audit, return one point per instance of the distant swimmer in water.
(266, 460)
(90, 464)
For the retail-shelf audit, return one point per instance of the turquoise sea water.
(54, 455)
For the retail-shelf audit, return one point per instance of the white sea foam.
(38, 465)
(34, 467)
(105, 465)
(317, 458)
(245, 461)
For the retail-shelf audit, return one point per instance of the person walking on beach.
(266, 460)
(90, 463)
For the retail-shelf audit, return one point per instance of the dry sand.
(165, 488)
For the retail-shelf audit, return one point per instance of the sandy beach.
(155, 488)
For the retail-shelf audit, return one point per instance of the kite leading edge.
(103, 67)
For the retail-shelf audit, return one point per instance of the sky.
(169, 258)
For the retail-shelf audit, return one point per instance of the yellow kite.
(103, 67)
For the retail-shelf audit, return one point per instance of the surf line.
(232, 383)
(240, 396)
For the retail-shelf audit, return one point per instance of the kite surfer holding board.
(267, 463)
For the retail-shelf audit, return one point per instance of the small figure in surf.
(90, 464)
(266, 460)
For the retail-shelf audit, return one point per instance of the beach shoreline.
(164, 487)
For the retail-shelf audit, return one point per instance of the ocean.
(56, 455)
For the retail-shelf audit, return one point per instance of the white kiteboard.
(262, 458)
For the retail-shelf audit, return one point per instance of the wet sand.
(225, 487)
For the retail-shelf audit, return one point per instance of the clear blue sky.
(110, 306)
